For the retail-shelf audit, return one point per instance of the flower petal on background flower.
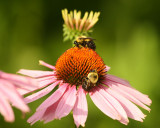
(132, 110)
(5, 109)
(36, 73)
(12, 95)
(42, 82)
(117, 106)
(100, 101)
(53, 98)
(66, 103)
(41, 93)
(46, 65)
(19, 80)
(117, 80)
(80, 110)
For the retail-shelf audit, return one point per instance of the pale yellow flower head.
(77, 25)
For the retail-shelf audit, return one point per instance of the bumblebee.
(90, 81)
(85, 42)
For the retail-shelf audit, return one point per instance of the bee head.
(75, 43)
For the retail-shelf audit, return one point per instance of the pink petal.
(36, 73)
(128, 96)
(127, 88)
(100, 101)
(12, 95)
(49, 114)
(53, 98)
(36, 116)
(80, 110)
(117, 80)
(46, 78)
(107, 68)
(115, 104)
(132, 110)
(47, 65)
(41, 93)
(66, 103)
(135, 93)
(22, 91)
(5, 109)
(24, 82)
(23, 86)
(42, 82)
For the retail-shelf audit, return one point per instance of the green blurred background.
(127, 38)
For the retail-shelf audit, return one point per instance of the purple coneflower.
(10, 88)
(112, 95)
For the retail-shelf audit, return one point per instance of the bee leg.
(85, 84)
(84, 43)
(94, 85)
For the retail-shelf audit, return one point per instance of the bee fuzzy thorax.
(84, 41)
(80, 66)
(93, 76)
(90, 81)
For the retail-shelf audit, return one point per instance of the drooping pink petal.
(5, 109)
(42, 82)
(53, 98)
(47, 65)
(127, 95)
(132, 110)
(132, 92)
(41, 93)
(12, 95)
(138, 95)
(46, 78)
(80, 110)
(49, 114)
(117, 80)
(36, 116)
(36, 73)
(116, 105)
(100, 101)
(66, 103)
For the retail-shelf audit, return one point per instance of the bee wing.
(86, 38)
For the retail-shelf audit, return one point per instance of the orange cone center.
(75, 64)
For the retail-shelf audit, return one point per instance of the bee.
(90, 81)
(85, 42)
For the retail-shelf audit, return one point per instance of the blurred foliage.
(127, 37)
